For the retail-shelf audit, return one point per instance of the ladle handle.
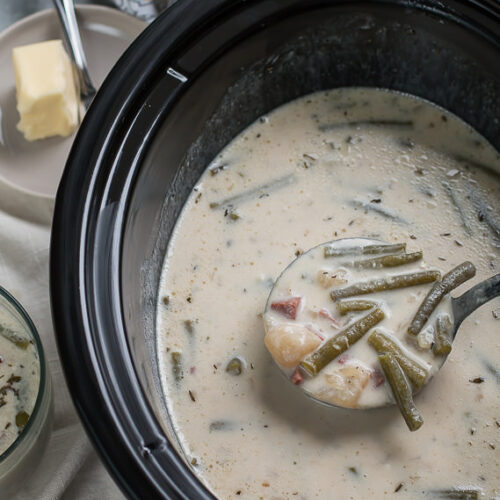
(66, 11)
(474, 298)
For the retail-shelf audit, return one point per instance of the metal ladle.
(461, 307)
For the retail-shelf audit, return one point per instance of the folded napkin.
(70, 467)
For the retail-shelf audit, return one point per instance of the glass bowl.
(19, 460)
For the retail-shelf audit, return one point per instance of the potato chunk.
(328, 278)
(344, 385)
(289, 343)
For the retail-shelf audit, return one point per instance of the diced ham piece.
(287, 307)
(297, 377)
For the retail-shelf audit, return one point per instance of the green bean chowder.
(347, 322)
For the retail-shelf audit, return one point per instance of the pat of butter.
(46, 91)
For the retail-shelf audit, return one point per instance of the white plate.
(34, 169)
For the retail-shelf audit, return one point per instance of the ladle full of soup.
(346, 350)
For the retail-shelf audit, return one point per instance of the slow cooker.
(195, 78)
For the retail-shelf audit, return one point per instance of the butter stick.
(46, 92)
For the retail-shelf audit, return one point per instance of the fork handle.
(66, 11)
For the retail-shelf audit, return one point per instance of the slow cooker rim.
(67, 260)
(69, 284)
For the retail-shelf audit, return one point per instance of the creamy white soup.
(347, 163)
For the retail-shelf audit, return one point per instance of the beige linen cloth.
(70, 468)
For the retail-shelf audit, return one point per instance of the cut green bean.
(176, 358)
(221, 425)
(442, 337)
(429, 192)
(457, 494)
(385, 261)
(450, 281)
(378, 209)
(347, 306)
(333, 251)
(335, 346)
(234, 367)
(256, 192)
(458, 206)
(14, 337)
(416, 372)
(385, 284)
(401, 390)
(484, 212)
(375, 123)
(492, 369)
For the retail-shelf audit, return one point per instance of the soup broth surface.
(346, 163)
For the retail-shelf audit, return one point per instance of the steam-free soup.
(347, 163)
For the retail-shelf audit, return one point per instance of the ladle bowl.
(352, 252)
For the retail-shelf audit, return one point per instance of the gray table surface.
(13, 10)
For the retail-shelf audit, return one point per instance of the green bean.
(457, 494)
(458, 206)
(254, 192)
(14, 337)
(335, 346)
(221, 425)
(442, 337)
(386, 261)
(427, 191)
(378, 209)
(484, 212)
(354, 305)
(492, 369)
(176, 358)
(375, 123)
(415, 371)
(384, 284)
(450, 281)
(401, 390)
(235, 366)
(332, 251)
